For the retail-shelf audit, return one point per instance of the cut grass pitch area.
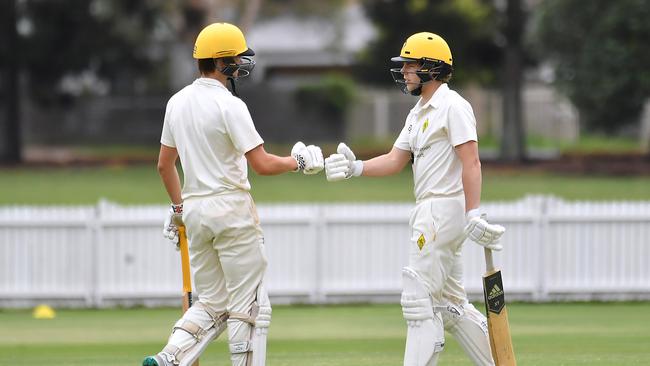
(141, 185)
(547, 334)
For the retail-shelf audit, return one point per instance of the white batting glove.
(309, 158)
(170, 230)
(342, 165)
(482, 232)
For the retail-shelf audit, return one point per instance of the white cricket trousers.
(226, 248)
(435, 247)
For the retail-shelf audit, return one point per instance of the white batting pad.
(199, 326)
(425, 337)
(248, 332)
(469, 327)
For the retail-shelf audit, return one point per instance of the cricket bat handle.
(489, 262)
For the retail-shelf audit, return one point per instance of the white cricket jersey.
(430, 133)
(212, 130)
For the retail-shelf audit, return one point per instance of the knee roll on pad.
(451, 313)
(256, 324)
(263, 319)
(416, 302)
(469, 327)
(425, 337)
(191, 334)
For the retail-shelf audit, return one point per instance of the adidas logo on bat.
(496, 291)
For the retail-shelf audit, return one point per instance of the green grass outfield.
(141, 184)
(545, 334)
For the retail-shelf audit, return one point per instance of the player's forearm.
(472, 180)
(274, 165)
(172, 182)
(264, 163)
(382, 165)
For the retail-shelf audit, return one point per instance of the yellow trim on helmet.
(221, 40)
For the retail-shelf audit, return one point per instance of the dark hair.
(207, 65)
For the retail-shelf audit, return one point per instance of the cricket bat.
(185, 267)
(497, 314)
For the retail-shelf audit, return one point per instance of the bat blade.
(185, 267)
(497, 316)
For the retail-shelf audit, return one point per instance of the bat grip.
(489, 263)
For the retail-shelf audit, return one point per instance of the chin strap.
(417, 91)
(232, 86)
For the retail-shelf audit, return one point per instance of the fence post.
(96, 245)
(90, 260)
(381, 112)
(318, 225)
(543, 226)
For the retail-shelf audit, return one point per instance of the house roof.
(311, 40)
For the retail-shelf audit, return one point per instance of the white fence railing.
(108, 254)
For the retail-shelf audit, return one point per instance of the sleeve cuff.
(253, 145)
(357, 168)
(168, 144)
(475, 212)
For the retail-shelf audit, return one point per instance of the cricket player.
(212, 133)
(439, 139)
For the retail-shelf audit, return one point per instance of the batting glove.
(482, 232)
(170, 230)
(342, 165)
(309, 158)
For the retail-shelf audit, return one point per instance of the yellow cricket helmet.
(221, 40)
(425, 46)
(434, 55)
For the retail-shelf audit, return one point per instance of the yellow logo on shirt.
(425, 125)
(421, 241)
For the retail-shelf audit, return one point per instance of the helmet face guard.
(431, 52)
(428, 71)
(241, 69)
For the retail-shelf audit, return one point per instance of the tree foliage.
(601, 56)
(109, 40)
(272, 8)
(332, 95)
(468, 26)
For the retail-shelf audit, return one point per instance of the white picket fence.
(108, 254)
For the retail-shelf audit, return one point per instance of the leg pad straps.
(218, 321)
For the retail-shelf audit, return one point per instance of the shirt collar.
(436, 98)
(209, 82)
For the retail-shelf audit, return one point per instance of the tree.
(485, 42)
(106, 42)
(10, 151)
(468, 27)
(513, 136)
(112, 40)
(601, 57)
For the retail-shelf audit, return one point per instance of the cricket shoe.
(157, 360)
